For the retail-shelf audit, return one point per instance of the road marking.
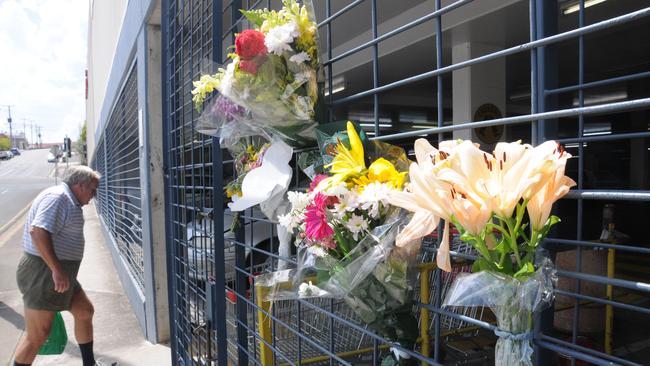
(14, 219)
(4, 191)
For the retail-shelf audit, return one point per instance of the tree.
(5, 144)
(80, 146)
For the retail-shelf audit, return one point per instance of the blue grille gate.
(208, 328)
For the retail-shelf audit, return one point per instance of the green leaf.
(526, 270)
(483, 265)
(507, 266)
(256, 17)
(552, 220)
(502, 247)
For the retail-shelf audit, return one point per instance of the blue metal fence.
(581, 77)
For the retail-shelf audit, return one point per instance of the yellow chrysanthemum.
(204, 86)
(382, 171)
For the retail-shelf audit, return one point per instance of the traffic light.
(67, 146)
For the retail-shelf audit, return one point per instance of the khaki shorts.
(35, 282)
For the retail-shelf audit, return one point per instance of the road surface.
(21, 179)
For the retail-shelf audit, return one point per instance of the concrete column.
(481, 86)
(153, 190)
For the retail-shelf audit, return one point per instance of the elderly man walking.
(53, 242)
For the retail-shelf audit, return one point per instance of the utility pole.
(31, 143)
(11, 136)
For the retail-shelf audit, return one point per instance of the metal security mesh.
(190, 182)
(573, 71)
(117, 158)
(99, 164)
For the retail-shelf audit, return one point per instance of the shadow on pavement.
(10, 315)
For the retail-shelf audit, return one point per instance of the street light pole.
(11, 136)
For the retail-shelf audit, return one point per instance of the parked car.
(6, 155)
(51, 158)
(15, 151)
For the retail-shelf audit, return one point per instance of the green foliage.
(514, 251)
(81, 142)
(5, 144)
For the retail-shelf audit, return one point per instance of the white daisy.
(309, 290)
(286, 221)
(300, 57)
(279, 38)
(299, 200)
(372, 196)
(356, 225)
(348, 202)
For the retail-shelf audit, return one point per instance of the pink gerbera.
(316, 226)
(322, 201)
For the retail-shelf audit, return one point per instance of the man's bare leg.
(82, 310)
(38, 324)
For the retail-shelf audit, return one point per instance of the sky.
(42, 65)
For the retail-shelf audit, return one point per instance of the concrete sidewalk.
(118, 337)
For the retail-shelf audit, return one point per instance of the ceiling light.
(576, 6)
(336, 89)
(373, 125)
(602, 98)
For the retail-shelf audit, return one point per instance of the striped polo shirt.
(58, 211)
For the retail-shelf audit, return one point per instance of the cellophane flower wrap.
(274, 73)
(501, 204)
(345, 233)
(251, 148)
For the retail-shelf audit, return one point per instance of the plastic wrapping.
(375, 279)
(232, 123)
(512, 301)
(274, 74)
(267, 181)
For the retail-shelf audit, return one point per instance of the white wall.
(104, 23)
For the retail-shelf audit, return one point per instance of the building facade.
(489, 70)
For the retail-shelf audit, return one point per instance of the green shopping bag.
(58, 338)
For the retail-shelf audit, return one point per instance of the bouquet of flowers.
(274, 73)
(345, 232)
(487, 197)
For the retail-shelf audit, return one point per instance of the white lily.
(428, 198)
(539, 206)
(509, 160)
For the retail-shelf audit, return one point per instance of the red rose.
(250, 43)
(248, 66)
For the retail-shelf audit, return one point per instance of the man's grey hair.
(76, 174)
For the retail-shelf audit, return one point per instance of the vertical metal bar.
(330, 82)
(438, 282)
(545, 18)
(424, 312)
(219, 307)
(171, 233)
(331, 331)
(533, 70)
(240, 287)
(328, 13)
(375, 351)
(541, 69)
(581, 71)
(299, 321)
(375, 65)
